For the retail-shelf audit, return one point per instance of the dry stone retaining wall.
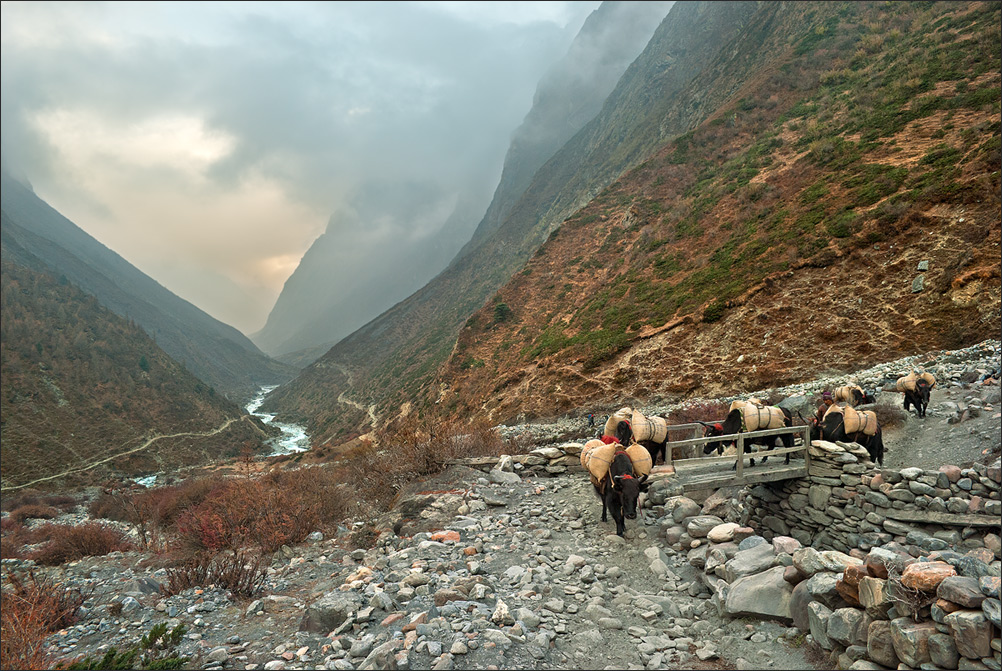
(846, 504)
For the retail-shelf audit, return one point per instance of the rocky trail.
(505, 569)
(520, 574)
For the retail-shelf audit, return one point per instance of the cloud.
(209, 143)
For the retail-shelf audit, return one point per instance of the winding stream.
(294, 437)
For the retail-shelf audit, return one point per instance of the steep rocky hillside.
(219, 355)
(390, 360)
(841, 208)
(81, 385)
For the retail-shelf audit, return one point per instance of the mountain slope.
(841, 209)
(321, 302)
(218, 354)
(394, 356)
(81, 385)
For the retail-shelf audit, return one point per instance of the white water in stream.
(294, 437)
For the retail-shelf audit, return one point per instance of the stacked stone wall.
(848, 504)
(903, 568)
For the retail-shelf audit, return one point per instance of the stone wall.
(903, 571)
(849, 505)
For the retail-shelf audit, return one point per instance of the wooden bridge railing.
(803, 431)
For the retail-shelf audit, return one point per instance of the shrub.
(889, 416)
(714, 311)
(240, 572)
(33, 608)
(37, 511)
(157, 648)
(66, 543)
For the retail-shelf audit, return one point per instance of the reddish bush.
(38, 511)
(65, 543)
(33, 608)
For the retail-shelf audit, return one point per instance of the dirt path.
(932, 441)
(149, 441)
(344, 400)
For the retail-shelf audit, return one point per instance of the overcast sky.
(210, 143)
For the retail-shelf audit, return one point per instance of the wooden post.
(741, 457)
(807, 448)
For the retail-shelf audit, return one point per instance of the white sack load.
(907, 383)
(648, 428)
(844, 393)
(759, 417)
(621, 415)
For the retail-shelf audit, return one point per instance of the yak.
(919, 397)
(734, 424)
(832, 429)
(619, 491)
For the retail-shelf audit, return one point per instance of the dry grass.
(32, 608)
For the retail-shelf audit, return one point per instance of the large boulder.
(911, 640)
(329, 612)
(926, 576)
(764, 595)
(808, 561)
(700, 525)
(747, 562)
(844, 625)
(681, 507)
(818, 616)
(800, 599)
(972, 632)
(880, 645)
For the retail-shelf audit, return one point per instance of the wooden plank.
(930, 517)
(741, 451)
(702, 461)
(754, 475)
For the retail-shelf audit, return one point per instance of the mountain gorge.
(389, 360)
(309, 316)
(36, 235)
(87, 394)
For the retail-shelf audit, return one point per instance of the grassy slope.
(857, 148)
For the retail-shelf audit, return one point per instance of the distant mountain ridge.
(216, 353)
(303, 325)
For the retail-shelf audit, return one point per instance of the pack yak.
(746, 416)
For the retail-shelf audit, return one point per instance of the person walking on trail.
(591, 419)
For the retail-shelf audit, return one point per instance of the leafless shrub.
(240, 572)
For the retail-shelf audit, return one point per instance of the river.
(294, 437)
